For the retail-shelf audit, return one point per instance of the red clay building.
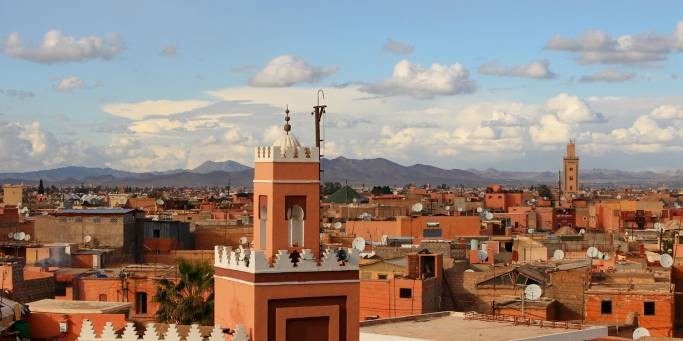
(419, 227)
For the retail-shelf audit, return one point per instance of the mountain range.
(377, 171)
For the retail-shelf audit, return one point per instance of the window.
(649, 308)
(571, 169)
(405, 293)
(96, 220)
(78, 219)
(381, 276)
(571, 178)
(141, 303)
(156, 233)
(606, 307)
(103, 298)
(113, 220)
(432, 232)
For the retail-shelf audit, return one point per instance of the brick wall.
(567, 288)
(660, 324)
(382, 297)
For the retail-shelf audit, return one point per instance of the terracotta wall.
(660, 324)
(46, 325)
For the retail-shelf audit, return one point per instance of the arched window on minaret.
(295, 224)
(263, 220)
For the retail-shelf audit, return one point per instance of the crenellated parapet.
(130, 333)
(281, 154)
(255, 261)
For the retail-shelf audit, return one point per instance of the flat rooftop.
(446, 326)
(77, 307)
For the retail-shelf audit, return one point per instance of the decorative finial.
(287, 127)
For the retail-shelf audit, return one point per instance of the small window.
(113, 220)
(606, 307)
(571, 169)
(648, 308)
(78, 219)
(156, 233)
(405, 293)
(141, 303)
(381, 276)
(96, 220)
(103, 298)
(571, 178)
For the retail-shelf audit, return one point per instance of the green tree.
(189, 298)
(331, 187)
(544, 191)
(379, 190)
(41, 188)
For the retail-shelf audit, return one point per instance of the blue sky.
(455, 84)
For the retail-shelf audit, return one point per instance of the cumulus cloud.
(69, 84)
(598, 47)
(288, 70)
(668, 111)
(19, 94)
(55, 47)
(409, 79)
(507, 119)
(398, 48)
(609, 75)
(536, 69)
(571, 109)
(169, 51)
(550, 130)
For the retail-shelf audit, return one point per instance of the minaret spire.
(287, 126)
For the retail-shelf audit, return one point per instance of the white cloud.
(397, 47)
(536, 69)
(288, 70)
(609, 75)
(56, 47)
(140, 110)
(598, 47)
(413, 80)
(169, 51)
(19, 94)
(69, 84)
(571, 109)
(550, 130)
(668, 112)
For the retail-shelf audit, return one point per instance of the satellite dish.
(10, 235)
(592, 252)
(338, 225)
(87, 239)
(532, 292)
(469, 270)
(359, 244)
(582, 231)
(666, 260)
(417, 208)
(28, 237)
(482, 255)
(640, 332)
(479, 209)
(460, 209)
(448, 208)
(385, 239)
(160, 202)
(558, 255)
(19, 236)
(243, 240)
(488, 215)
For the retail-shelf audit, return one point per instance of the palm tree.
(188, 298)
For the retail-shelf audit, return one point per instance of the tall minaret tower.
(284, 286)
(570, 183)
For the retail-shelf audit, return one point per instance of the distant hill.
(377, 171)
(225, 166)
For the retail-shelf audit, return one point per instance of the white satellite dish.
(87, 239)
(460, 209)
(488, 215)
(532, 292)
(338, 225)
(19, 236)
(358, 244)
(558, 255)
(592, 252)
(582, 231)
(28, 237)
(469, 270)
(417, 208)
(448, 208)
(479, 209)
(10, 235)
(160, 202)
(666, 260)
(243, 240)
(640, 332)
(482, 255)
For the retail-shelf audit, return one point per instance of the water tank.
(474, 244)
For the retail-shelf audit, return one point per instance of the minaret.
(283, 286)
(570, 183)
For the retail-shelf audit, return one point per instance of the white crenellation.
(277, 154)
(255, 261)
(150, 334)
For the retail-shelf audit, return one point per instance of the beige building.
(570, 173)
(12, 194)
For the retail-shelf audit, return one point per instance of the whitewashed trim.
(336, 281)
